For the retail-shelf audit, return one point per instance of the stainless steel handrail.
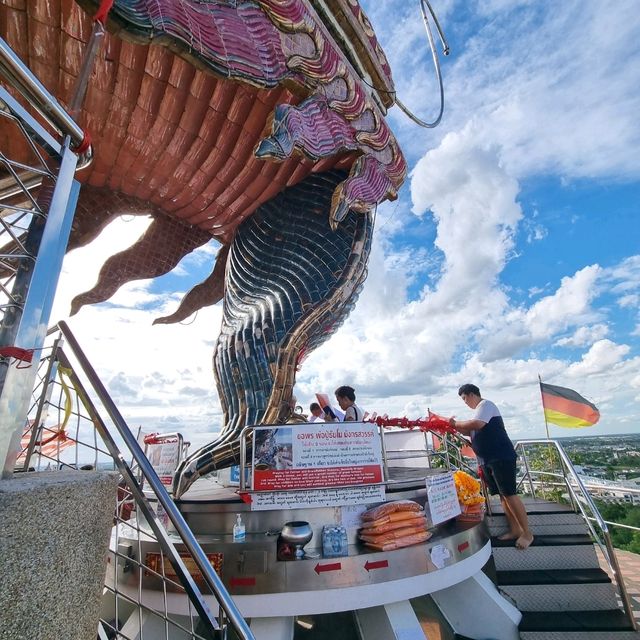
(30, 87)
(182, 528)
(575, 500)
(587, 485)
(610, 555)
(623, 526)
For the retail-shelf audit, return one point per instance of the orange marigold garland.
(471, 502)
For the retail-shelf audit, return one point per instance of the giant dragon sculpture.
(260, 123)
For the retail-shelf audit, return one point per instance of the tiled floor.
(630, 568)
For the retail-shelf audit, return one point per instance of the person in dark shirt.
(497, 460)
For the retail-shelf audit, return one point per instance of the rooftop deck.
(630, 567)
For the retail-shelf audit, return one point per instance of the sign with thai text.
(334, 497)
(164, 457)
(442, 498)
(314, 457)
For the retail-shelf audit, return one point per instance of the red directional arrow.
(462, 547)
(334, 566)
(378, 564)
(243, 582)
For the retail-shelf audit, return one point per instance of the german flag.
(566, 408)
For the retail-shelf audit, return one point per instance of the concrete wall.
(54, 536)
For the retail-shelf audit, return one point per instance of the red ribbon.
(58, 434)
(26, 355)
(103, 11)
(85, 144)
(433, 422)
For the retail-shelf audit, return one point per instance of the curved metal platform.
(362, 579)
(264, 586)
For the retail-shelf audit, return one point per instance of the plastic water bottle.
(238, 529)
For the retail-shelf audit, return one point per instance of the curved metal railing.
(582, 501)
(211, 578)
(67, 398)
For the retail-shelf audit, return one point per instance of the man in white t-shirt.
(497, 460)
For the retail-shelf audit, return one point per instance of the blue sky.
(513, 250)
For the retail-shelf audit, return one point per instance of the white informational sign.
(439, 555)
(333, 497)
(350, 515)
(164, 459)
(442, 498)
(296, 466)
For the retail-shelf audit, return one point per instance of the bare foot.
(509, 536)
(524, 541)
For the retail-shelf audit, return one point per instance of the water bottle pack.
(334, 542)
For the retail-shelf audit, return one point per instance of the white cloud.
(603, 355)
(536, 232)
(631, 300)
(528, 79)
(473, 202)
(152, 372)
(584, 336)
(536, 291)
(520, 327)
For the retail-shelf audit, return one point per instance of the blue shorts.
(500, 477)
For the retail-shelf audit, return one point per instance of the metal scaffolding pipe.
(19, 76)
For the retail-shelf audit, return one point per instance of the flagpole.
(546, 424)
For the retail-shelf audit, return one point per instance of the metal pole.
(546, 424)
(527, 470)
(20, 77)
(136, 491)
(13, 315)
(45, 396)
(28, 328)
(383, 448)
(243, 457)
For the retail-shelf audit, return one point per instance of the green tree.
(634, 544)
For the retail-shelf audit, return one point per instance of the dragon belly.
(291, 282)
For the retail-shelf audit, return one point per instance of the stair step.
(545, 530)
(535, 506)
(557, 583)
(563, 557)
(562, 597)
(579, 635)
(543, 524)
(561, 621)
(541, 519)
(552, 576)
(550, 541)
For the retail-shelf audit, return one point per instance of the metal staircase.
(558, 583)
